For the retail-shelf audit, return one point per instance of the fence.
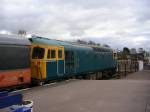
(125, 67)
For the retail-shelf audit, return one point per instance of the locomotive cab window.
(38, 53)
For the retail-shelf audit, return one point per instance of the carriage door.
(60, 62)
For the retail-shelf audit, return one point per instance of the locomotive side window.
(38, 53)
(59, 54)
(53, 54)
(49, 54)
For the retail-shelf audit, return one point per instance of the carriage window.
(10, 60)
(49, 54)
(59, 53)
(38, 53)
(53, 54)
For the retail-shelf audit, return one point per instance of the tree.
(133, 51)
(98, 44)
(22, 33)
(81, 41)
(126, 51)
(105, 45)
(91, 42)
(141, 50)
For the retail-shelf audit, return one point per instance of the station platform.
(131, 94)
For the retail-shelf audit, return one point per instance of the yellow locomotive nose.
(34, 70)
(38, 69)
(37, 63)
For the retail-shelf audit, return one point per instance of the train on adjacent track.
(39, 60)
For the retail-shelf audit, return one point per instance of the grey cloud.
(120, 43)
(113, 22)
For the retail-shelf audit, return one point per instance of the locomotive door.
(55, 62)
(51, 63)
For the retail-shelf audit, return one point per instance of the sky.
(118, 23)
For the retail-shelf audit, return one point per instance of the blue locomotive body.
(72, 60)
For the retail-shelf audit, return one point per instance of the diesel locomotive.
(42, 59)
(53, 59)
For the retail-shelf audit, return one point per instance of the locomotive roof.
(13, 40)
(46, 41)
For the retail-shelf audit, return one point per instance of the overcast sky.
(118, 23)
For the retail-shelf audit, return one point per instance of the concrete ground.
(142, 75)
(131, 94)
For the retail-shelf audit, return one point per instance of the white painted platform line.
(50, 84)
(21, 90)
